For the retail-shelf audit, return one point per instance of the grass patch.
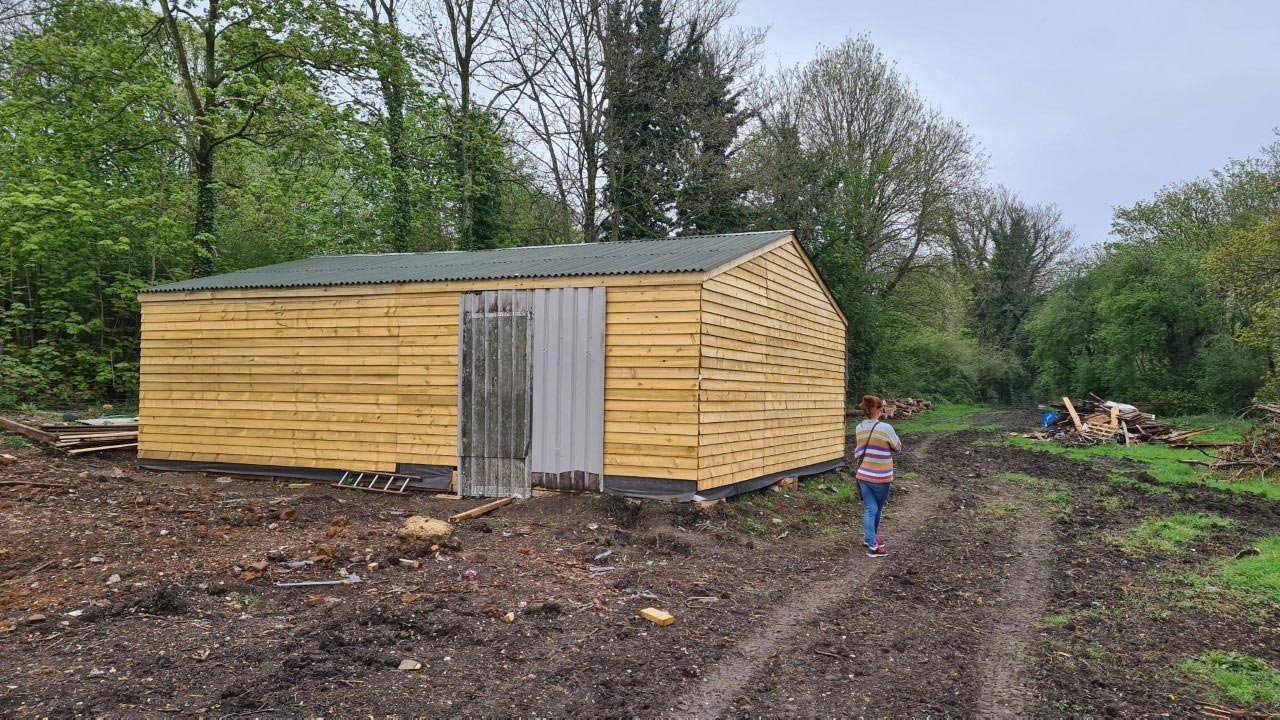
(1059, 497)
(1224, 429)
(1160, 460)
(1257, 574)
(15, 442)
(944, 417)
(1057, 621)
(830, 489)
(1170, 534)
(1245, 679)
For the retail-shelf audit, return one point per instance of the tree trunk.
(393, 95)
(206, 207)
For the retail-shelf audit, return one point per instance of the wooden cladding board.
(365, 378)
(297, 380)
(651, 381)
(772, 369)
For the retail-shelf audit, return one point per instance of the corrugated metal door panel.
(567, 450)
(494, 387)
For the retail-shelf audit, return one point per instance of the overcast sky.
(1087, 104)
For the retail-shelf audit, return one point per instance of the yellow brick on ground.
(657, 617)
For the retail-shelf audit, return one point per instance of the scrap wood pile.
(1258, 450)
(1093, 421)
(899, 408)
(86, 436)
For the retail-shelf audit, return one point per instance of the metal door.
(494, 391)
(568, 388)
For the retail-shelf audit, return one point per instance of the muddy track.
(1004, 689)
(783, 631)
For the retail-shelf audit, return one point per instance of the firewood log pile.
(899, 408)
(905, 408)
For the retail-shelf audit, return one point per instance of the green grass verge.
(1257, 574)
(1224, 429)
(944, 417)
(1245, 679)
(1169, 534)
(1160, 460)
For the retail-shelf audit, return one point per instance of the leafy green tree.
(1247, 265)
(1163, 315)
(241, 79)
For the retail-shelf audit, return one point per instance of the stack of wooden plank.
(93, 436)
(1092, 421)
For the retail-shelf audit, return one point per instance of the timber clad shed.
(660, 368)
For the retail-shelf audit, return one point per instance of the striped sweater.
(875, 451)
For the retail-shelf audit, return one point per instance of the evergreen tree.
(710, 194)
(640, 122)
(671, 122)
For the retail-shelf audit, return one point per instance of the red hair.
(870, 403)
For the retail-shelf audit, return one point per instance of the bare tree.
(554, 52)
(552, 79)
(15, 14)
(991, 220)
(466, 35)
(898, 168)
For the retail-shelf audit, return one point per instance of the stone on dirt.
(420, 533)
(410, 665)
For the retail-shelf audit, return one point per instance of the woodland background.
(143, 143)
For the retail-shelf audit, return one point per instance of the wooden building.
(697, 366)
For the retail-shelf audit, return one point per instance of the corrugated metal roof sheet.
(641, 257)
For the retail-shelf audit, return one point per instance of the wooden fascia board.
(813, 270)
(442, 286)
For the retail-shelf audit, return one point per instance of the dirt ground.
(139, 594)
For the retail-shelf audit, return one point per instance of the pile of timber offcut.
(1093, 421)
(1258, 450)
(899, 408)
(83, 437)
(86, 438)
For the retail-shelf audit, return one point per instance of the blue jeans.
(874, 497)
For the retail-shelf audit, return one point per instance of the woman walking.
(876, 444)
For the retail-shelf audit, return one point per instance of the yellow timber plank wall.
(366, 377)
(773, 348)
(301, 378)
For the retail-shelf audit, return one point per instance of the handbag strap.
(863, 456)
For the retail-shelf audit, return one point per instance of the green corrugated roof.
(641, 257)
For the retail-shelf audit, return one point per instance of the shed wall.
(306, 381)
(366, 377)
(772, 362)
